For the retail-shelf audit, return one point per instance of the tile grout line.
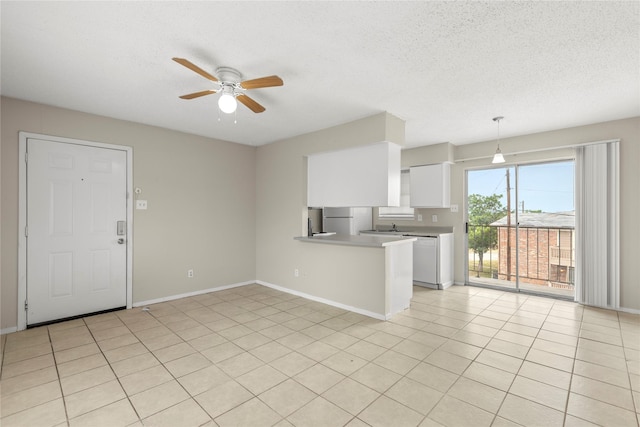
(55, 363)
(112, 370)
(506, 392)
(573, 367)
(170, 373)
(445, 393)
(626, 362)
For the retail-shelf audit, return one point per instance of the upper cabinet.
(361, 176)
(430, 186)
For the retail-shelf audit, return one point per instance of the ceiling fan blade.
(250, 103)
(262, 82)
(195, 68)
(198, 94)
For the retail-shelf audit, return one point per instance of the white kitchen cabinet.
(356, 177)
(430, 186)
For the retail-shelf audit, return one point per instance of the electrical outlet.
(190, 274)
(454, 208)
(434, 218)
(296, 273)
(141, 204)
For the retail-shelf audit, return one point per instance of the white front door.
(76, 253)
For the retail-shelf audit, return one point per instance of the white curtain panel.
(597, 273)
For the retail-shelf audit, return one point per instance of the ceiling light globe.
(227, 103)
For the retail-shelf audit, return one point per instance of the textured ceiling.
(446, 68)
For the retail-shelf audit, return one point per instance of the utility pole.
(508, 226)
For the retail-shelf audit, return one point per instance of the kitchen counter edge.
(416, 233)
(371, 241)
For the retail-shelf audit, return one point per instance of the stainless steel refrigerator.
(347, 220)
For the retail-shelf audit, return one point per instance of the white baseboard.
(8, 330)
(191, 294)
(324, 301)
(629, 310)
(278, 288)
(620, 309)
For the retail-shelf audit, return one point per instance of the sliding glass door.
(521, 227)
(489, 196)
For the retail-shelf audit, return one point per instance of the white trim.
(191, 294)
(22, 214)
(628, 310)
(614, 226)
(325, 301)
(22, 224)
(620, 309)
(8, 330)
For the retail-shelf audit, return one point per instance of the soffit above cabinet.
(362, 176)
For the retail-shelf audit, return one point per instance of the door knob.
(121, 241)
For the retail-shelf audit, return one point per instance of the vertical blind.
(597, 225)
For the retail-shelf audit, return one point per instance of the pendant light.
(498, 157)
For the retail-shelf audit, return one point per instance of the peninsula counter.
(371, 275)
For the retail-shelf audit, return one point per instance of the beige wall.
(282, 200)
(479, 156)
(201, 195)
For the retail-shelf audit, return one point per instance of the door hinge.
(26, 305)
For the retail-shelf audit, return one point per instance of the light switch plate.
(141, 204)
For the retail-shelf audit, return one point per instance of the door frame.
(22, 214)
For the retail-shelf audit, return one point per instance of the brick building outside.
(545, 248)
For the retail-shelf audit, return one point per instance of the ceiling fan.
(228, 81)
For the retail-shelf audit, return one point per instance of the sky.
(547, 187)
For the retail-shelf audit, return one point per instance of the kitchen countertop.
(414, 231)
(367, 240)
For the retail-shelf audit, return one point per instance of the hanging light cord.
(498, 119)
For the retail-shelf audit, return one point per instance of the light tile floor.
(253, 356)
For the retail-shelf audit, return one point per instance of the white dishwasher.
(425, 261)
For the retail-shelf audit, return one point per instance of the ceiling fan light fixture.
(228, 81)
(227, 101)
(498, 157)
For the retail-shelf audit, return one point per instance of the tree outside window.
(483, 210)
